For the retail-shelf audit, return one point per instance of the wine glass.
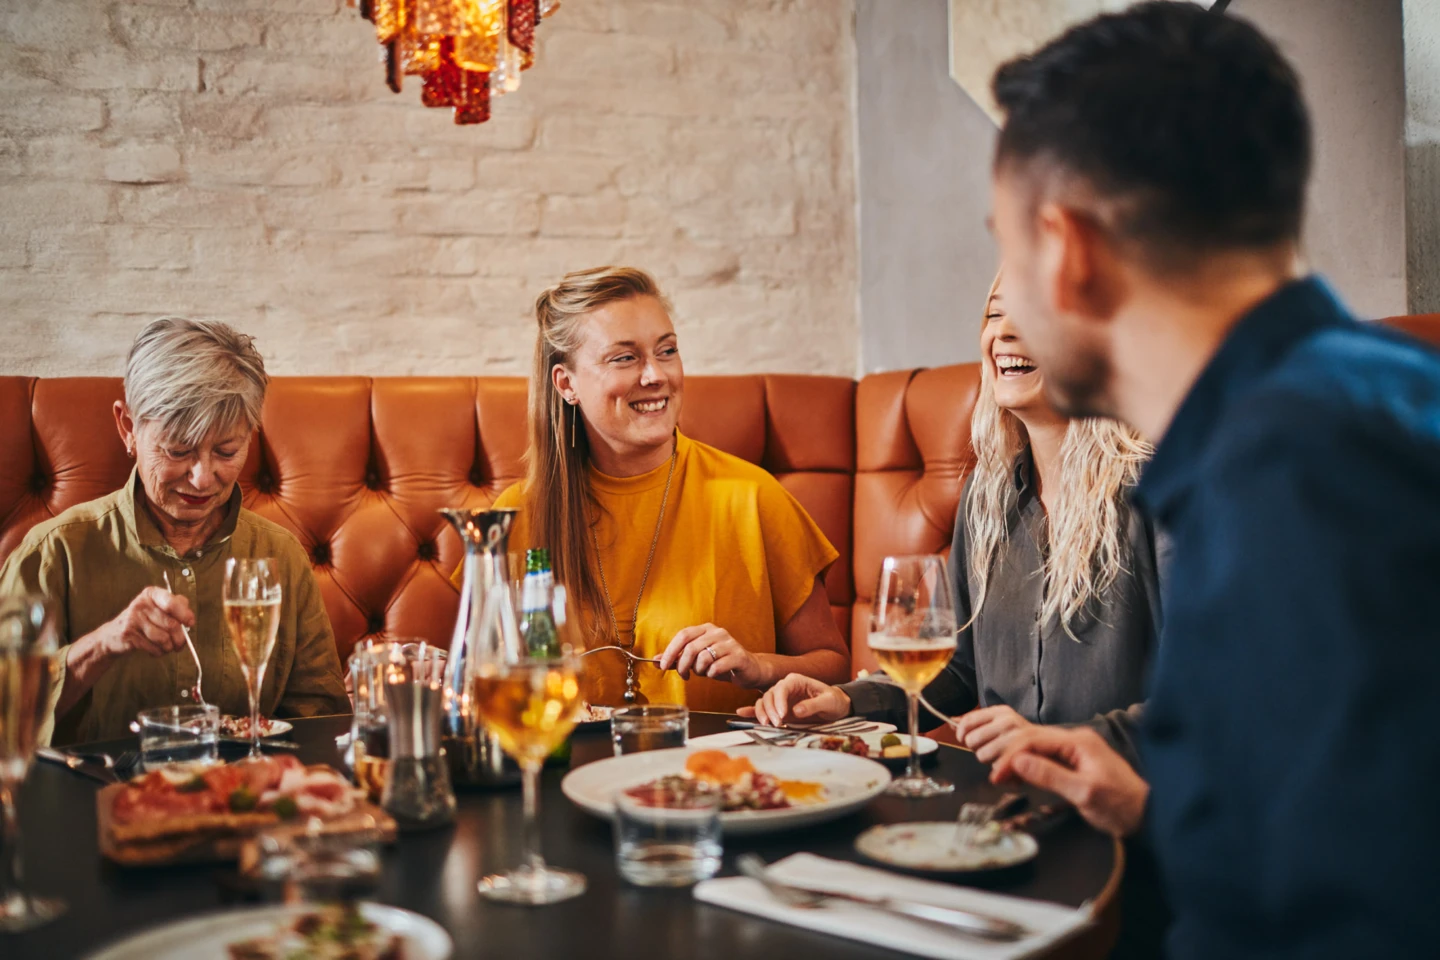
(252, 615)
(529, 698)
(912, 635)
(28, 651)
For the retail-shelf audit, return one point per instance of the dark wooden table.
(435, 873)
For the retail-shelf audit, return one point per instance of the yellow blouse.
(735, 549)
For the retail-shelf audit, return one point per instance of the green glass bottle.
(537, 622)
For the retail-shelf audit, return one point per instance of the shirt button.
(185, 572)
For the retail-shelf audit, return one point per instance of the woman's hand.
(799, 698)
(987, 730)
(152, 624)
(710, 651)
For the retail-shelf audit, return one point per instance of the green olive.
(889, 740)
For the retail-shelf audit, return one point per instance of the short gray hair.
(193, 376)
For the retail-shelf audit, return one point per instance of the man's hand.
(1081, 767)
(799, 699)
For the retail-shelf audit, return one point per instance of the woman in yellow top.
(671, 547)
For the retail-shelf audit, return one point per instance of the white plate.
(925, 745)
(206, 937)
(929, 847)
(273, 728)
(850, 783)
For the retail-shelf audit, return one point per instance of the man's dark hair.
(1189, 124)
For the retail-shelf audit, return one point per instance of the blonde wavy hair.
(558, 497)
(1100, 460)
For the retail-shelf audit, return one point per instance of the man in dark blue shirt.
(1149, 186)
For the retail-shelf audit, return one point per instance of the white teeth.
(1013, 363)
(649, 406)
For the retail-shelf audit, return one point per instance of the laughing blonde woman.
(674, 549)
(1055, 575)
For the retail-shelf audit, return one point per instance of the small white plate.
(930, 848)
(207, 936)
(926, 746)
(850, 783)
(272, 728)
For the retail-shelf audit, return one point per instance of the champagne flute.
(252, 615)
(912, 635)
(530, 700)
(28, 648)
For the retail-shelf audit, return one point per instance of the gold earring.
(574, 422)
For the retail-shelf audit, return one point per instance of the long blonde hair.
(1100, 460)
(558, 498)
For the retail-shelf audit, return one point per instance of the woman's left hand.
(710, 651)
(988, 729)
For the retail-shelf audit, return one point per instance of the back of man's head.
(1187, 127)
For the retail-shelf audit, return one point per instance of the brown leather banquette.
(356, 468)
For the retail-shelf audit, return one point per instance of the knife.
(76, 764)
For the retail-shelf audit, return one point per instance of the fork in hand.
(199, 672)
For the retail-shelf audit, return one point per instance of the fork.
(199, 672)
(977, 925)
(974, 816)
(633, 656)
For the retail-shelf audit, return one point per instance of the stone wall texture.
(243, 160)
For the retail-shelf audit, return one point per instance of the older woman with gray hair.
(193, 394)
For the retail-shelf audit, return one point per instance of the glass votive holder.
(658, 727)
(179, 738)
(312, 864)
(675, 845)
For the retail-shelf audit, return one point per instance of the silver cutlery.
(949, 721)
(633, 656)
(81, 764)
(978, 925)
(974, 816)
(847, 725)
(199, 672)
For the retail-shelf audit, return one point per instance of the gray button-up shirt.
(1007, 656)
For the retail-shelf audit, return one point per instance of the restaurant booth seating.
(357, 467)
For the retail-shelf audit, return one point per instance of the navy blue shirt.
(1291, 739)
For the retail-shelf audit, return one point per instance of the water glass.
(369, 725)
(314, 865)
(672, 846)
(658, 727)
(178, 738)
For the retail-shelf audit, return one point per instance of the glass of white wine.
(28, 646)
(252, 616)
(912, 635)
(530, 700)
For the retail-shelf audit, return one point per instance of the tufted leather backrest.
(356, 468)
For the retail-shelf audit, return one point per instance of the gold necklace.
(632, 694)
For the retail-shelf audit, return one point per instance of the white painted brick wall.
(242, 159)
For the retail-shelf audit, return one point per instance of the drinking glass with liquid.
(671, 846)
(179, 738)
(252, 616)
(655, 727)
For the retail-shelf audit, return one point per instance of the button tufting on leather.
(376, 623)
(477, 479)
(427, 551)
(372, 479)
(264, 483)
(38, 483)
(321, 553)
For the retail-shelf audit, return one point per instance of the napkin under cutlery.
(1049, 921)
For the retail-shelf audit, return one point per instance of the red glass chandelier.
(464, 51)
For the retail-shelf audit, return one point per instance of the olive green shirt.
(93, 559)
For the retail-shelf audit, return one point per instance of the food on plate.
(846, 744)
(334, 932)
(742, 787)
(230, 797)
(239, 727)
(891, 740)
(591, 713)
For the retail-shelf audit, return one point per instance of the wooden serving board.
(221, 844)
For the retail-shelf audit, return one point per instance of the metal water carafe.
(486, 619)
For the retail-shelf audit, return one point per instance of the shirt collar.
(1257, 342)
(142, 527)
(1022, 470)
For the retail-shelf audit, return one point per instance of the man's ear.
(1080, 261)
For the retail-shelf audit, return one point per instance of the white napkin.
(1050, 922)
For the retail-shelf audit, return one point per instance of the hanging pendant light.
(463, 51)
